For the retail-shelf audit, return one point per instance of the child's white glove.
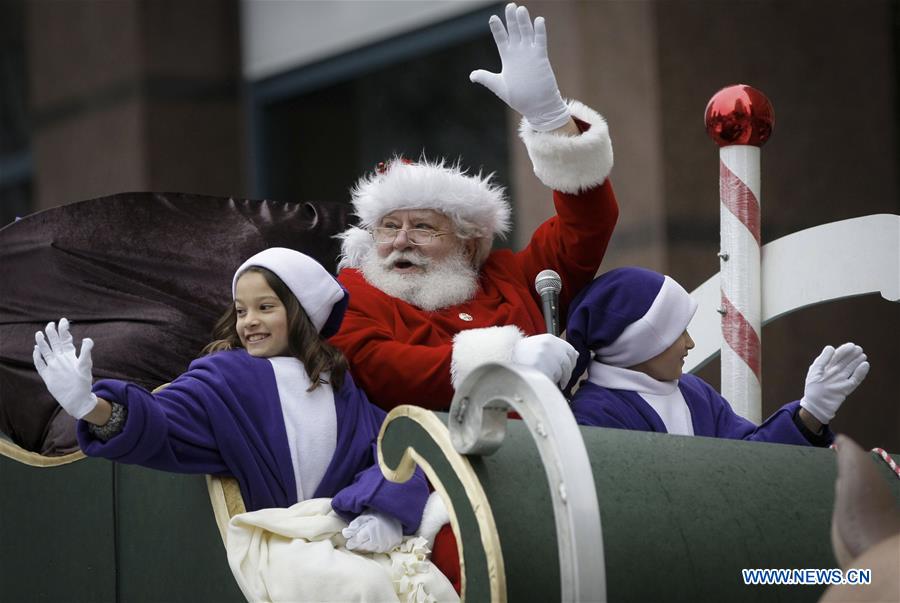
(831, 378)
(373, 532)
(526, 82)
(66, 375)
(547, 353)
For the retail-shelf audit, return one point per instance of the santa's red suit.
(401, 354)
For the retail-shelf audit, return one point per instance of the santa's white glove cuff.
(831, 378)
(474, 347)
(549, 354)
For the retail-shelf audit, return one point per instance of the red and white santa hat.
(402, 184)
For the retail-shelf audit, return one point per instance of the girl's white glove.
(831, 378)
(526, 82)
(547, 353)
(373, 532)
(66, 375)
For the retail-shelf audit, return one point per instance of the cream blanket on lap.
(298, 554)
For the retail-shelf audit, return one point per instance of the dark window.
(315, 138)
(15, 160)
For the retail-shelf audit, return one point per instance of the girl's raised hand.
(67, 376)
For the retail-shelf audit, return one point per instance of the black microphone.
(548, 285)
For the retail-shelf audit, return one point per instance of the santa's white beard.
(442, 283)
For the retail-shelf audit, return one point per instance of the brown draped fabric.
(145, 275)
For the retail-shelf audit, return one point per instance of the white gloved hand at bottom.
(67, 376)
(549, 354)
(831, 378)
(373, 532)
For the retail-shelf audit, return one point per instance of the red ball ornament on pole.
(740, 119)
(739, 114)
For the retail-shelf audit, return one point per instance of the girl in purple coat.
(629, 327)
(272, 405)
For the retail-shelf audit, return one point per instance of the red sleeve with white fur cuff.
(474, 347)
(571, 164)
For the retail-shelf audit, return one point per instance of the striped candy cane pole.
(740, 119)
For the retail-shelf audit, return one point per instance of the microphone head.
(548, 280)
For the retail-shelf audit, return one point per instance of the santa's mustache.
(413, 257)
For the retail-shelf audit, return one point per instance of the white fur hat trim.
(432, 185)
(355, 244)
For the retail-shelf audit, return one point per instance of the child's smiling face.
(667, 365)
(262, 323)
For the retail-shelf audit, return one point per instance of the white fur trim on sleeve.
(570, 164)
(434, 517)
(474, 347)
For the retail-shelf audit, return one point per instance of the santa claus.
(429, 299)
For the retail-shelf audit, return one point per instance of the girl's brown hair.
(304, 342)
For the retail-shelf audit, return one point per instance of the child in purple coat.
(629, 327)
(272, 405)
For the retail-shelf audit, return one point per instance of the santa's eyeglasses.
(416, 236)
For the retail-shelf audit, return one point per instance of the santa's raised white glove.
(66, 375)
(373, 532)
(547, 353)
(526, 82)
(831, 378)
